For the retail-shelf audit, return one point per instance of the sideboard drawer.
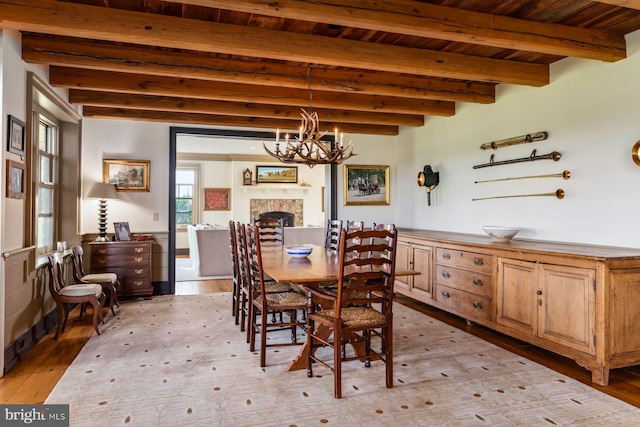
(468, 281)
(469, 306)
(480, 263)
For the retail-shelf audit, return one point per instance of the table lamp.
(102, 191)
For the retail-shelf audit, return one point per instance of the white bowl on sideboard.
(500, 233)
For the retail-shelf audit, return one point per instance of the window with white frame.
(186, 196)
(46, 191)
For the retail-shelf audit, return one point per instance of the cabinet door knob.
(477, 304)
(539, 293)
(477, 282)
(445, 294)
(478, 261)
(446, 256)
(446, 274)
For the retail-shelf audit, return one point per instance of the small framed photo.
(122, 231)
(366, 185)
(16, 136)
(217, 199)
(277, 174)
(15, 180)
(127, 175)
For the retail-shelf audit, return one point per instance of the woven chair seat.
(285, 299)
(277, 287)
(354, 317)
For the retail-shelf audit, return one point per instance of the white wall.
(591, 110)
(127, 140)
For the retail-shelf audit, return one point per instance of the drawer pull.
(138, 259)
(139, 250)
(445, 294)
(446, 274)
(101, 261)
(477, 304)
(478, 261)
(102, 251)
(138, 271)
(446, 255)
(477, 282)
(138, 283)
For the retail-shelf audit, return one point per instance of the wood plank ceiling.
(366, 67)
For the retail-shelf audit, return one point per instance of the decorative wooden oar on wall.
(554, 155)
(559, 194)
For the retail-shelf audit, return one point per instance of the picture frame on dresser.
(122, 232)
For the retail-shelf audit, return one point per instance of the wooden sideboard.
(131, 261)
(580, 301)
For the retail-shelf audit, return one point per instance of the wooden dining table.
(320, 266)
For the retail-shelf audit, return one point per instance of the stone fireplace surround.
(294, 206)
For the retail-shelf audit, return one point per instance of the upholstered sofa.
(209, 246)
(209, 250)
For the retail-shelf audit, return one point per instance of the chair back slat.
(270, 231)
(332, 234)
(367, 267)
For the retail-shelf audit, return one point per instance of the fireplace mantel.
(280, 190)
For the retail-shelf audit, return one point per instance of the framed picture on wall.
(16, 136)
(127, 175)
(277, 174)
(217, 199)
(366, 185)
(15, 180)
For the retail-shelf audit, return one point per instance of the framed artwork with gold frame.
(127, 175)
(366, 185)
(217, 199)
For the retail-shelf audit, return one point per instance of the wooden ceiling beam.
(629, 4)
(76, 20)
(107, 56)
(76, 78)
(228, 121)
(186, 105)
(441, 22)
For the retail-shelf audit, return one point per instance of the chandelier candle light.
(308, 147)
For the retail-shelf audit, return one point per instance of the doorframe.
(174, 131)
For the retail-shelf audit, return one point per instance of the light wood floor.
(33, 378)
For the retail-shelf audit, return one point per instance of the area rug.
(181, 361)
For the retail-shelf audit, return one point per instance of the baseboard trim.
(19, 348)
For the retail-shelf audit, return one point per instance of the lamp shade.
(103, 190)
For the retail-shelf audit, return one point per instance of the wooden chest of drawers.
(131, 261)
(464, 283)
